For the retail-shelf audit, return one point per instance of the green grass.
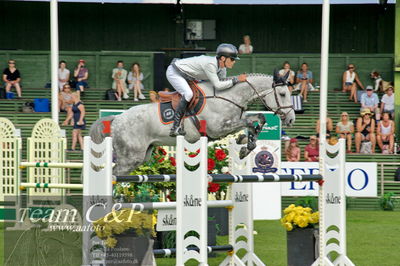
(373, 239)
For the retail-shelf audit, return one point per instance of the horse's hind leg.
(128, 160)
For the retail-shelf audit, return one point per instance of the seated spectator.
(79, 113)
(12, 78)
(304, 80)
(311, 151)
(290, 79)
(329, 127)
(350, 80)
(81, 73)
(135, 78)
(166, 89)
(119, 81)
(385, 134)
(154, 98)
(365, 130)
(63, 75)
(246, 47)
(293, 151)
(345, 129)
(387, 102)
(65, 102)
(369, 100)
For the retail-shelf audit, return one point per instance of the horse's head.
(279, 99)
(275, 94)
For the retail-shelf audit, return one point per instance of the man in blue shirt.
(370, 100)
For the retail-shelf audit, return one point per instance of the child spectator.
(369, 100)
(311, 151)
(65, 101)
(385, 134)
(79, 113)
(81, 74)
(293, 151)
(387, 102)
(350, 80)
(154, 97)
(304, 80)
(135, 78)
(119, 81)
(345, 129)
(63, 75)
(12, 78)
(290, 79)
(365, 130)
(246, 47)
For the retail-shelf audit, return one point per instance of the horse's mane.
(250, 75)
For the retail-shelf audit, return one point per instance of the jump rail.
(219, 178)
(170, 251)
(51, 165)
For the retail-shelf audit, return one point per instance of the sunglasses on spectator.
(11, 63)
(344, 115)
(351, 67)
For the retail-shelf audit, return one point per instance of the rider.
(180, 71)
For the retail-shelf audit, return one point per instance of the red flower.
(173, 161)
(211, 164)
(163, 151)
(192, 154)
(161, 160)
(198, 151)
(220, 154)
(213, 187)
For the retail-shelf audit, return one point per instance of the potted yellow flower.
(127, 235)
(300, 223)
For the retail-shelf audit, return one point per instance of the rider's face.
(229, 62)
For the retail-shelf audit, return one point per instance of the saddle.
(175, 97)
(169, 102)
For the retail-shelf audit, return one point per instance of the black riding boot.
(177, 129)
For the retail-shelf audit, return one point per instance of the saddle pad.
(166, 113)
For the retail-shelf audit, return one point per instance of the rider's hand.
(242, 77)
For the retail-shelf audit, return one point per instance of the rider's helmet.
(227, 50)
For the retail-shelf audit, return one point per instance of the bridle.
(280, 108)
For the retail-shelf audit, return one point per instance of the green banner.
(272, 128)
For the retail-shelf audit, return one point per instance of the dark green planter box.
(301, 247)
(129, 251)
(221, 217)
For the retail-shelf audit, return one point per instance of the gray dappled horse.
(137, 130)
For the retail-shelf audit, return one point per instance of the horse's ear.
(276, 74)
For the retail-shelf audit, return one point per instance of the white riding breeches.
(179, 83)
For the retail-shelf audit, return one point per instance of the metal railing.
(381, 171)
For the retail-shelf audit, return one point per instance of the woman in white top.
(63, 75)
(387, 102)
(246, 47)
(385, 133)
(135, 78)
(346, 129)
(350, 80)
(290, 79)
(119, 81)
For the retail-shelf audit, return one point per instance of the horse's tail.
(97, 128)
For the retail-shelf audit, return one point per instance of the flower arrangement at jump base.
(122, 221)
(299, 217)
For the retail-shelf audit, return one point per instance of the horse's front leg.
(252, 135)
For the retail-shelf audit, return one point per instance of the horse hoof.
(241, 139)
(251, 146)
(243, 153)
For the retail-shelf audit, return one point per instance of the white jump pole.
(322, 119)
(54, 59)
